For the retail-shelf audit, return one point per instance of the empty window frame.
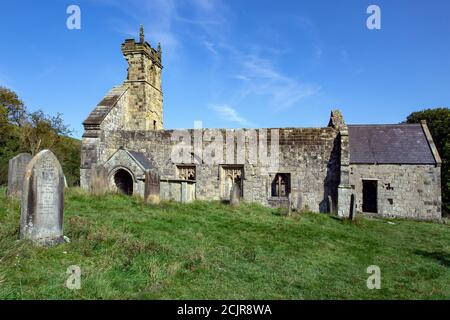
(281, 185)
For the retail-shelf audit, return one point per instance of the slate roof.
(389, 144)
(104, 107)
(142, 159)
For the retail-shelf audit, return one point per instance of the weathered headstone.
(184, 192)
(99, 181)
(330, 205)
(290, 204)
(43, 200)
(352, 213)
(16, 173)
(235, 195)
(152, 187)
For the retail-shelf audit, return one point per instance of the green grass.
(207, 250)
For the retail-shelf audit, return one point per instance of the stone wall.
(412, 191)
(309, 155)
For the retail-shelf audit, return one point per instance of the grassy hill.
(205, 250)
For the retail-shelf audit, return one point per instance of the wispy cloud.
(264, 79)
(157, 17)
(241, 77)
(230, 114)
(164, 20)
(210, 46)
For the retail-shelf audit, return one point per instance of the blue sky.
(235, 63)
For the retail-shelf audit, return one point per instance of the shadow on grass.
(440, 256)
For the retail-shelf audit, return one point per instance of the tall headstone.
(16, 173)
(352, 213)
(235, 195)
(152, 187)
(99, 181)
(43, 200)
(290, 204)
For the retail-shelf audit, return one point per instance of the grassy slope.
(208, 250)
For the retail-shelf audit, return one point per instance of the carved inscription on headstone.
(43, 200)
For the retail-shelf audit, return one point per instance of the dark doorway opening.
(124, 182)
(370, 196)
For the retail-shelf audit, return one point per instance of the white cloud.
(265, 79)
(241, 77)
(228, 113)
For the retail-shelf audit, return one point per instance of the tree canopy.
(23, 131)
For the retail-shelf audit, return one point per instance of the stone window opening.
(231, 175)
(187, 173)
(154, 124)
(281, 185)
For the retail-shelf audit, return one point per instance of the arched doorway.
(124, 182)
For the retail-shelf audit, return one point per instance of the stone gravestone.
(99, 181)
(16, 173)
(184, 192)
(330, 205)
(152, 188)
(290, 204)
(352, 213)
(43, 200)
(235, 195)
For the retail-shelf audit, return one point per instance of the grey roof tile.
(142, 159)
(389, 144)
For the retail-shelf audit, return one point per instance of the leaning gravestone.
(43, 200)
(235, 195)
(99, 181)
(16, 173)
(152, 187)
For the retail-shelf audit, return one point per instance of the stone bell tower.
(145, 104)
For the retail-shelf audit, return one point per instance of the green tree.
(12, 108)
(438, 121)
(12, 112)
(21, 131)
(41, 131)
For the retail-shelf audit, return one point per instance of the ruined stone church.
(388, 169)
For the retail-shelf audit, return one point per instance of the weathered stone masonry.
(125, 135)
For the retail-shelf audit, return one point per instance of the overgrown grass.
(207, 250)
